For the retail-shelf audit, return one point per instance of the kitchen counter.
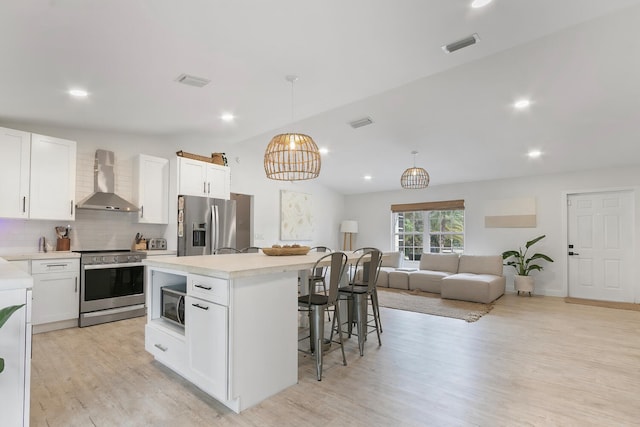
(159, 252)
(11, 277)
(234, 266)
(40, 255)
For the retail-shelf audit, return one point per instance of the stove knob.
(136, 258)
(104, 259)
(96, 259)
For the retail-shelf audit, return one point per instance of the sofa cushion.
(426, 280)
(399, 280)
(473, 287)
(383, 276)
(481, 264)
(392, 259)
(439, 262)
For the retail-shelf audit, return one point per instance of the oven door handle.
(105, 266)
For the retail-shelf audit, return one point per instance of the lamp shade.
(349, 226)
(292, 157)
(414, 178)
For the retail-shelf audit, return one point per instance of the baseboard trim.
(606, 304)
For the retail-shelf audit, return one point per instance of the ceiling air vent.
(192, 80)
(461, 44)
(361, 122)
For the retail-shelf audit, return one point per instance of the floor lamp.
(349, 227)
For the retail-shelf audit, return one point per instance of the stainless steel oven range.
(111, 286)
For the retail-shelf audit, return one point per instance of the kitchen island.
(239, 339)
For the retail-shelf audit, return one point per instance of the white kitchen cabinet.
(15, 348)
(15, 158)
(151, 189)
(196, 178)
(206, 325)
(56, 287)
(53, 178)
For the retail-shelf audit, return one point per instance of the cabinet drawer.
(209, 288)
(42, 266)
(167, 348)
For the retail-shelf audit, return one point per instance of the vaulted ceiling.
(576, 60)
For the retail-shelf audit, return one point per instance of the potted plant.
(524, 266)
(5, 313)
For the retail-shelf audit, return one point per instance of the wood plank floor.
(530, 361)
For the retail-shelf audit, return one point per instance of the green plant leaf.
(540, 256)
(1, 364)
(534, 241)
(6, 312)
(507, 254)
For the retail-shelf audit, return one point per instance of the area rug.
(605, 304)
(428, 303)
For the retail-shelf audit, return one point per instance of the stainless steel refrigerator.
(205, 225)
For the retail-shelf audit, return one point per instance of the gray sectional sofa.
(476, 278)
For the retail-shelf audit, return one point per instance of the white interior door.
(601, 246)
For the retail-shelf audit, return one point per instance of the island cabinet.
(239, 339)
(15, 346)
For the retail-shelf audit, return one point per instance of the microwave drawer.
(42, 266)
(166, 348)
(208, 288)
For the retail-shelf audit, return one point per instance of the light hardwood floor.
(530, 361)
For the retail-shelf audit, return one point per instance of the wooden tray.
(302, 250)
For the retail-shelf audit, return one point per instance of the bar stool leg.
(317, 328)
(360, 304)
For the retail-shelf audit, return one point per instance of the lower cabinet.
(56, 290)
(199, 350)
(15, 349)
(206, 329)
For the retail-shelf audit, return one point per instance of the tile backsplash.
(91, 229)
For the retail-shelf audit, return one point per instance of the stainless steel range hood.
(104, 197)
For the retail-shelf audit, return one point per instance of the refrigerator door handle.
(215, 226)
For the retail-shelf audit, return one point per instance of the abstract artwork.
(296, 220)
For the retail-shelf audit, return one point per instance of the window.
(433, 230)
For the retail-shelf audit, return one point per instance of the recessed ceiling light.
(367, 177)
(78, 93)
(534, 154)
(522, 104)
(476, 4)
(227, 117)
(324, 150)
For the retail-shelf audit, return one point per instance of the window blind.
(446, 205)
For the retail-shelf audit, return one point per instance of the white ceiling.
(577, 60)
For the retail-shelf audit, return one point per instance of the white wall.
(372, 211)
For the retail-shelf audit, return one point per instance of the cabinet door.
(218, 182)
(152, 189)
(14, 340)
(206, 328)
(15, 148)
(53, 178)
(192, 177)
(55, 297)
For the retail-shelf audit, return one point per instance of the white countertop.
(230, 266)
(151, 252)
(236, 265)
(11, 277)
(40, 255)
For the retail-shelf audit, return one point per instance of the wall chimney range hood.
(104, 197)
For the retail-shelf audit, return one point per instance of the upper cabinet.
(196, 178)
(53, 178)
(44, 169)
(15, 157)
(151, 189)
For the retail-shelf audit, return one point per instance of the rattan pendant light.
(414, 178)
(292, 156)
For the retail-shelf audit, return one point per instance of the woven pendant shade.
(414, 178)
(292, 157)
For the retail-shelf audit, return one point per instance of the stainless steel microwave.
(173, 303)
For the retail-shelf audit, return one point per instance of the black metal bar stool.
(317, 304)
